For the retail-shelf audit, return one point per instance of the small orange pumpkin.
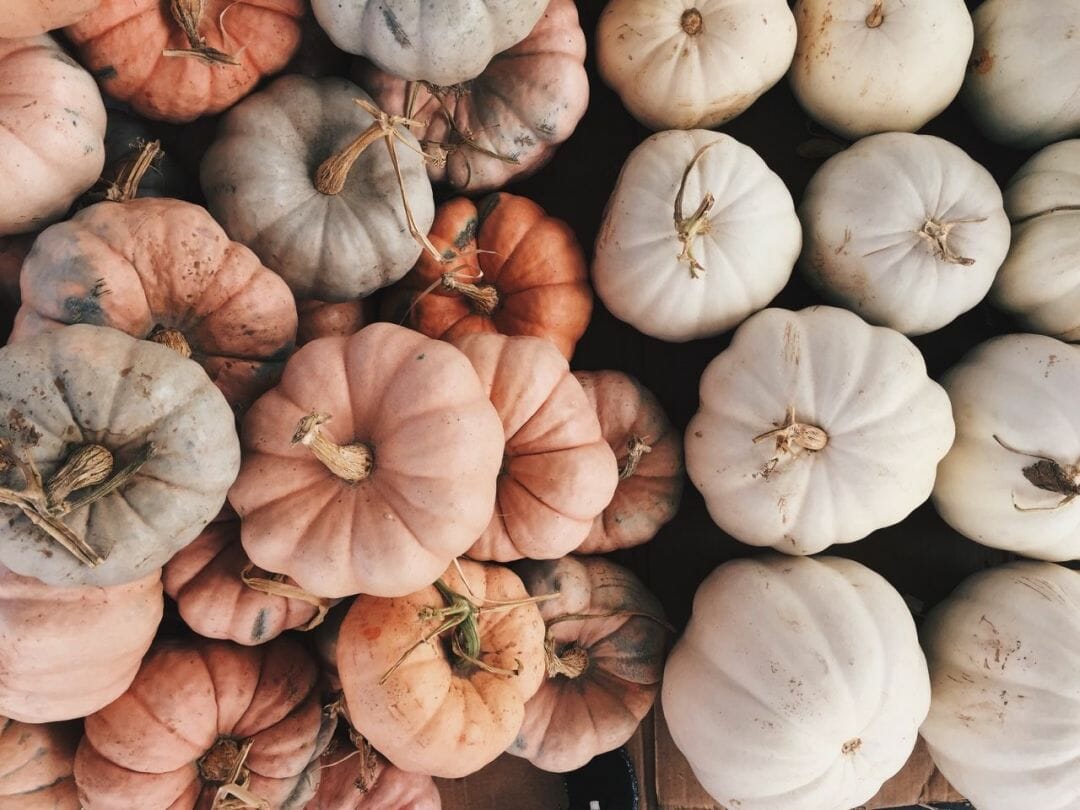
(650, 456)
(36, 763)
(361, 779)
(508, 267)
(325, 319)
(182, 59)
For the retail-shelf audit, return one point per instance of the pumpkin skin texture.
(544, 76)
(84, 386)
(28, 18)
(323, 319)
(205, 580)
(13, 251)
(558, 473)
(103, 633)
(384, 787)
(436, 443)
(863, 66)
(506, 247)
(1039, 283)
(700, 278)
(429, 40)
(36, 773)
(164, 742)
(1013, 89)
(650, 458)
(1008, 480)
(815, 428)
(333, 247)
(51, 151)
(905, 230)
(693, 65)
(1004, 720)
(123, 44)
(165, 264)
(573, 718)
(457, 718)
(809, 700)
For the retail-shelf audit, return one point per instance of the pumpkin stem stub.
(937, 234)
(691, 22)
(876, 16)
(171, 338)
(851, 746)
(349, 462)
(88, 465)
(484, 298)
(126, 185)
(688, 229)
(792, 437)
(1049, 475)
(571, 663)
(188, 14)
(638, 449)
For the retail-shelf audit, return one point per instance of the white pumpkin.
(1004, 722)
(263, 183)
(865, 66)
(1021, 84)
(815, 428)
(680, 64)
(439, 41)
(798, 684)
(698, 234)
(1039, 283)
(1011, 479)
(906, 230)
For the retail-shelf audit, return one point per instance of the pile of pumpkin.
(383, 537)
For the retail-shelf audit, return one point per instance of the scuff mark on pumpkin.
(258, 629)
(105, 73)
(398, 33)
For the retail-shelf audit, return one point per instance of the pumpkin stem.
(224, 764)
(698, 223)
(638, 449)
(484, 298)
(188, 14)
(440, 150)
(88, 465)
(275, 586)
(876, 16)
(937, 234)
(349, 462)
(571, 663)
(691, 22)
(1048, 475)
(126, 185)
(791, 437)
(171, 338)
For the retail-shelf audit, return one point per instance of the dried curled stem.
(1049, 475)
(188, 14)
(877, 15)
(349, 462)
(638, 449)
(275, 585)
(937, 234)
(484, 298)
(126, 185)
(792, 437)
(698, 223)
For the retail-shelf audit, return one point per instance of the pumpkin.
(508, 267)
(117, 452)
(865, 66)
(698, 234)
(1038, 284)
(1011, 478)
(361, 779)
(1013, 88)
(28, 18)
(682, 65)
(13, 251)
(557, 473)
(345, 492)
(428, 40)
(220, 594)
(1004, 724)
(905, 230)
(51, 634)
(815, 428)
(505, 123)
(324, 319)
(605, 647)
(165, 271)
(52, 148)
(650, 458)
(135, 164)
(446, 704)
(183, 59)
(798, 684)
(205, 722)
(326, 211)
(36, 766)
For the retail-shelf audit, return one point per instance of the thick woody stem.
(172, 338)
(639, 448)
(691, 22)
(877, 15)
(334, 171)
(89, 465)
(188, 14)
(483, 297)
(349, 462)
(126, 185)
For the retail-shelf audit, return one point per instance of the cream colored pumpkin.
(1004, 722)
(1039, 283)
(905, 230)
(681, 64)
(815, 428)
(798, 684)
(865, 66)
(1011, 478)
(28, 18)
(1020, 86)
(698, 234)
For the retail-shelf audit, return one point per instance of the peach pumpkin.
(28, 18)
(36, 763)
(355, 779)
(327, 319)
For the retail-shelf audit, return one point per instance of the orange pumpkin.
(362, 779)
(370, 467)
(650, 456)
(13, 250)
(558, 473)
(179, 60)
(164, 270)
(28, 18)
(208, 723)
(99, 634)
(36, 766)
(508, 268)
(449, 705)
(325, 319)
(606, 643)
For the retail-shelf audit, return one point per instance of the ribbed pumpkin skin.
(48, 634)
(36, 766)
(347, 784)
(144, 749)
(28, 18)
(325, 319)
(122, 43)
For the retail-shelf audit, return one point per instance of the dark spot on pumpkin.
(421, 356)
(60, 386)
(519, 743)
(372, 632)
(545, 129)
(258, 630)
(21, 428)
(983, 62)
(466, 235)
(105, 73)
(83, 310)
(398, 33)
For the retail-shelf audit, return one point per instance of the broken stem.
(698, 223)
(638, 449)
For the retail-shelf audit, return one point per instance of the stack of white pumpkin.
(819, 427)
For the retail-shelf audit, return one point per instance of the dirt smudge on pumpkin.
(396, 31)
(466, 235)
(105, 74)
(792, 350)
(983, 62)
(258, 629)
